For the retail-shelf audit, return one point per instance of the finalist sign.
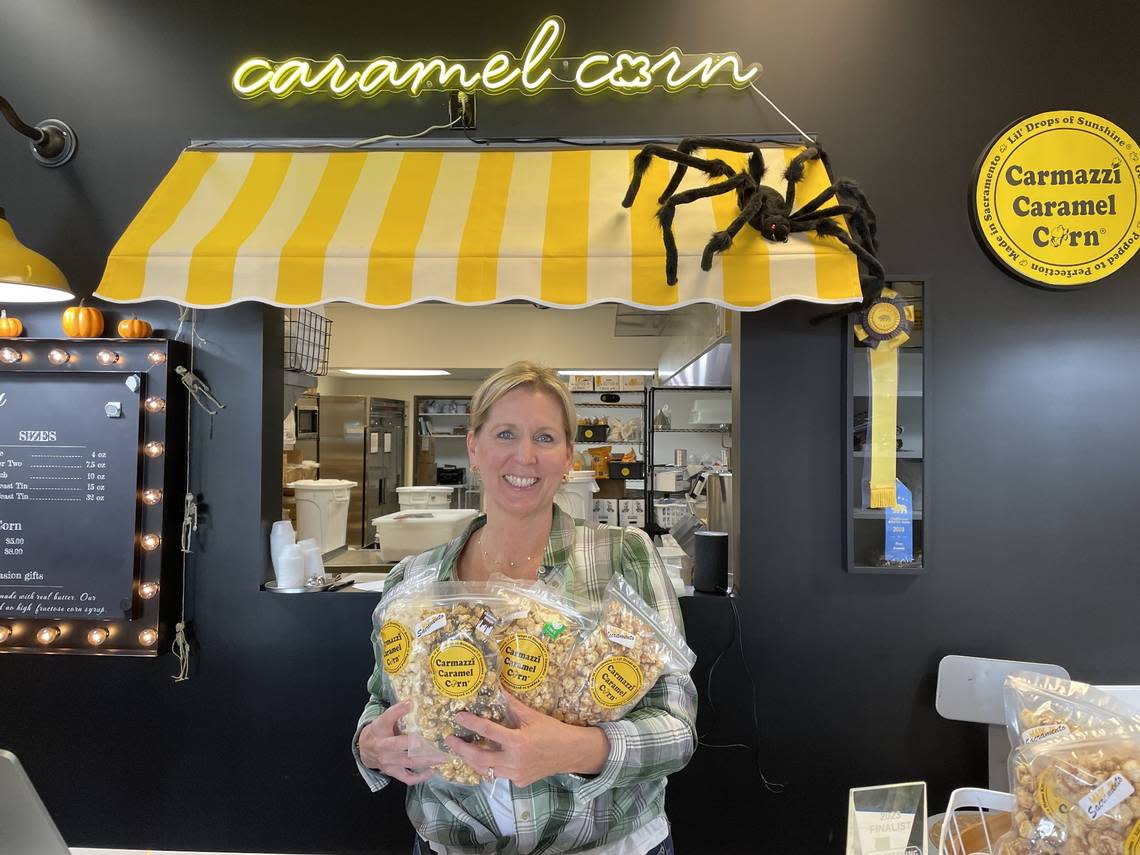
(1055, 199)
(626, 71)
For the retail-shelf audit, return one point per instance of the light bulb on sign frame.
(106, 357)
(148, 590)
(154, 404)
(154, 449)
(97, 636)
(151, 542)
(151, 497)
(148, 637)
(156, 357)
(56, 356)
(9, 355)
(5, 633)
(48, 634)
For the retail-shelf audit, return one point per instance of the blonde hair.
(527, 375)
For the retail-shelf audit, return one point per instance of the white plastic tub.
(417, 498)
(576, 495)
(411, 532)
(322, 511)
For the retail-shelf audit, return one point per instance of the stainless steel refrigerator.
(362, 440)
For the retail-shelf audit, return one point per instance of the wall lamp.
(25, 275)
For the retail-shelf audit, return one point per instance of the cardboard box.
(425, 474)
(631, 512)
(632, 382)
(293, 455)
(605, 512)
(607, 383)
(580, 383)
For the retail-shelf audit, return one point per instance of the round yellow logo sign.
(396, 643)
(616, 681)
(525, 662)
(458, 668)
(1056, 199)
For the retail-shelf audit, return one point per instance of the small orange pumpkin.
(82, 321)
(132, 327)
(9, 327)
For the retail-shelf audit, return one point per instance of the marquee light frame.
(626, 72)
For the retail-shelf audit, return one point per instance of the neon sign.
(627, 72)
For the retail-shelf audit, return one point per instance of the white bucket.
(412, 532)
(322, 511)
(576, 495)
(420, 498)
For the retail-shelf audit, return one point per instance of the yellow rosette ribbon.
(884, 326)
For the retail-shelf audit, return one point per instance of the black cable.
(9, 112)
(588, 144)
(772, 788)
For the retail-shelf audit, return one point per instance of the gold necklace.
(497, 563)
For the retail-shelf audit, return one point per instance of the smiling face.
(522, 452)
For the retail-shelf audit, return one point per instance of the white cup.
(280, 536)
(311, 551)
(290, 569)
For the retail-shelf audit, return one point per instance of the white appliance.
(424, 498)
(576, 495)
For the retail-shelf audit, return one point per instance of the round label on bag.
(616, 681)
(525, 662)
(1132, 841)
(1055, 807)
(458, 668)
(396, 643)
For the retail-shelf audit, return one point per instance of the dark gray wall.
(1032, 470)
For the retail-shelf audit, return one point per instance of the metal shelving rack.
(651, 432)
(643, 408)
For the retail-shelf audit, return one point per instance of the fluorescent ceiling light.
(631, 372)
(397, 372)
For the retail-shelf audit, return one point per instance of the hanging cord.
(181, 646)
(771, 104)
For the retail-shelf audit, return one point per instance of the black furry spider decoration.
(761, 206)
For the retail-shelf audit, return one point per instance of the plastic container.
(576, 495)
(411, 532)
(322, 511)
(669, 513)
(311, 552)
(417, 498)
(280, 536)
(290, 569)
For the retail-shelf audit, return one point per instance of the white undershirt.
(498, 796)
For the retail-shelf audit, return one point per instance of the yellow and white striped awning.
(392, 228)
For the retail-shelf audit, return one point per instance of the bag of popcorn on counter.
(1076, 795)
(454, 667)
(618, 662)
(1040, 707)
(539, 632)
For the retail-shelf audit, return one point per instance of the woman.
(598, 790)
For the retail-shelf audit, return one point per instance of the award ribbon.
(884, 326)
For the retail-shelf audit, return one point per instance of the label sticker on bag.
(458, 669)
(620, 636)
(1106, 796)
(430, 624)
(486, 624)
(1055, 807)
(552, 630)
(525, 662)
(1132, 841)
(396, 642)
(616, 682)
(517, 615)
(1033, 735)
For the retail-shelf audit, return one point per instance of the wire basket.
(668, 514)
(307, 337)
(975, 820)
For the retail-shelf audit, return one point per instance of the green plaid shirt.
(568, 812)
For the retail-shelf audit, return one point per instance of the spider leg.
(855, 218)
(712, 168)
(828, 228)
(756, 167)
(667, 211)
(795, 173)
(848, 192)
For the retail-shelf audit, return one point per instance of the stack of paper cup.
(311, 550)
(290, 567)
(280, 536)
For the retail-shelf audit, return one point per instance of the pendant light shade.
(25, 275)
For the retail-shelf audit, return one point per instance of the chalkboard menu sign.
(69, 466)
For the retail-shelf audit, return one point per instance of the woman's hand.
(540, 746)
(383, 748)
